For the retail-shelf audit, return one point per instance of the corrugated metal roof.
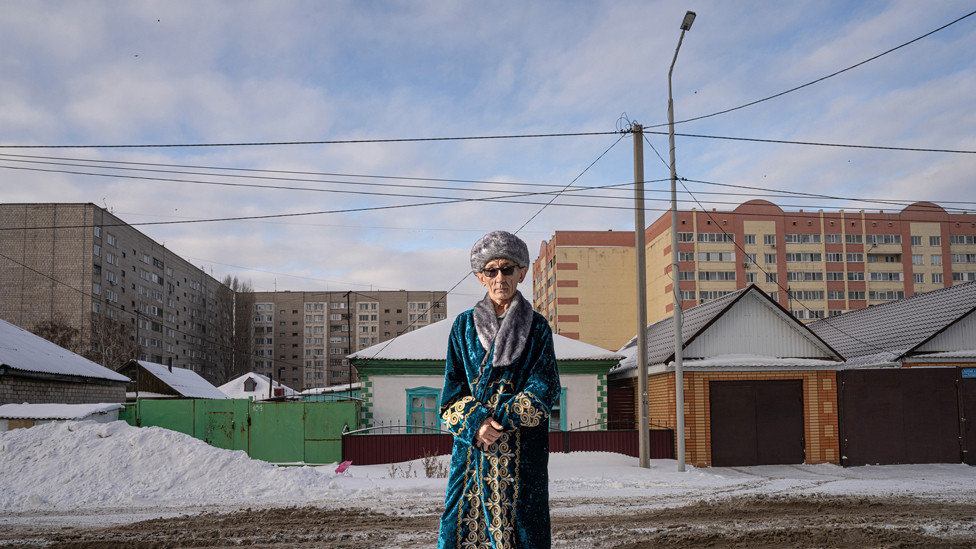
(185, 382)
(697, 320)
(897, 327)
(24, 351)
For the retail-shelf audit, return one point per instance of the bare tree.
(59, 332)
(235, 314)
(113, 342)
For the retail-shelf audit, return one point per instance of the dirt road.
(822, 522)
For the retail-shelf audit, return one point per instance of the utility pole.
(643, 436)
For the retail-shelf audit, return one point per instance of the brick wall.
(819, 410)
(17, 390)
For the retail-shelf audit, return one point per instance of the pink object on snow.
(342, 467)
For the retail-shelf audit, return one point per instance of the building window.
(916, 241)
(835, 258)
(856, 296)
(686, 256)
(964, 258)
(962, 239)
(832, 239)
(804, 258)
(835, 275)
(771, 259)
(886, 295)
(749, 239)
(835, 295)
(769, 239)
(716, 275)
(686, 237)
(803, 239)
(557, 419)
(881, 239)
(855, 258)
(751, 278)
(422, 407)
(716, 237)
(853, 238)
(687, 295)
(936, 278)
(855, 276)
(917, 259)
(771, 278)
(936, 259)
(716, 256)
(935, 241)
(963, 277)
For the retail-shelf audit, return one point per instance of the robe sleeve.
(462, 414)
(530, 406)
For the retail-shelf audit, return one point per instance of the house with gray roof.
(34, 370)
(909, 385)
(759, 386)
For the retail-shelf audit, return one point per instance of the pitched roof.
(185, 382)
(695, 321)
(430, 343)
(24, 351)
(235, 387)
(898, 327)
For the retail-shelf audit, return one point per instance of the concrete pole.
(643, 437)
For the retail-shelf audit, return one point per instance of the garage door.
(756, 422)
(904, 415)
(967, 395)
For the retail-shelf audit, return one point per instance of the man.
(500, 383)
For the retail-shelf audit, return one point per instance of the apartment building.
(584, 283)
(303, 338)
(78, 267)
(816, 264)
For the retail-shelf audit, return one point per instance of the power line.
(323, 142)
(821, 144)
(821, 79)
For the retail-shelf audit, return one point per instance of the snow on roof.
(24, 351)
(56, 411)
(186, 382)
(430, 343)
(333, 389)
(235, 387)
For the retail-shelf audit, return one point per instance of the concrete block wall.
(17, 390)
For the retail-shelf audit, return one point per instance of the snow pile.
(64, 467)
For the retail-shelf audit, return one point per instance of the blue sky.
(87, 73)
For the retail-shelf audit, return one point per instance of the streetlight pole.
(679, 381)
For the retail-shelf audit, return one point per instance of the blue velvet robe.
(498, 498)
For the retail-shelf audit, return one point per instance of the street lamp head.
(687, 21)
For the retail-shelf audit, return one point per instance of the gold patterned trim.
(457, 413)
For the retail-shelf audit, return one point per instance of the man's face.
(501, 287)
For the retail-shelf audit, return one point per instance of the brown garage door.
(756, 422)
(905, 415)
(967, 396)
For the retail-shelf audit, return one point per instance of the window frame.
(423, 392)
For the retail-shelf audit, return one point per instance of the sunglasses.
(506, 271)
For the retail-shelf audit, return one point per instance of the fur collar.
(509, 338)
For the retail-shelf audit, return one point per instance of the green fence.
(278, 432)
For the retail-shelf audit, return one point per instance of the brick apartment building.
(304, 337)
(81, 266)
(815, 264)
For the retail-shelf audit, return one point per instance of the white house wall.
(753, 327)
(581, 405)
(390, 396)
(961, 336)
(389, 401)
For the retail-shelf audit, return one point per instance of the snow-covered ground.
(101, 473)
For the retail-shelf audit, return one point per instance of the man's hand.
(488, 433)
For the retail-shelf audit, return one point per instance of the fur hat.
(498, 244)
